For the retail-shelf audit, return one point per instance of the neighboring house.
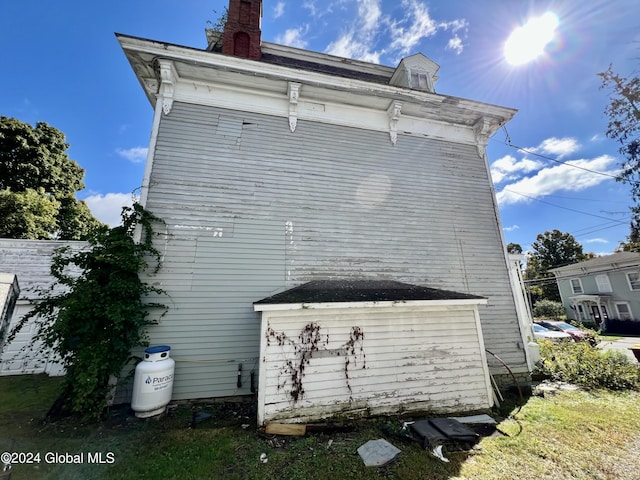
(602, 288)
(30, 262)
(273, 167)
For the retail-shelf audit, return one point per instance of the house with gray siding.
(602, 288)
(275, 167)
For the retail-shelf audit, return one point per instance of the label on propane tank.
(155, 383)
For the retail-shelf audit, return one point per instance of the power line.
(564, 208)
(551, 159)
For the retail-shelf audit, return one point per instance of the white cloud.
(278, 10)
(558, 178)
(134, 155)
(557, 146)
(370, 34)
(293, 37)
(509, 168)
(311, 6)
(596, 240)
(357, 41)
(370, 13)
(416, 25)
(108, 207)
(455, 44)
(511, 228)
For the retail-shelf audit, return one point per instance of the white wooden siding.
(30, 261)
(409, 359)
(270, 209)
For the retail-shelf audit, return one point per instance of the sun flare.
(528, 42)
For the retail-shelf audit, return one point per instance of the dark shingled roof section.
(331, 291)
(321, 68)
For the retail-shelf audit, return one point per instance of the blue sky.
(61, 64)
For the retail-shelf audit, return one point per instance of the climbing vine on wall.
(310, 343)
(94, 319)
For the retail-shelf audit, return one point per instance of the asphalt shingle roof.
(330, 291)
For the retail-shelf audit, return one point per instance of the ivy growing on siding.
(93, 320)
(309, 343)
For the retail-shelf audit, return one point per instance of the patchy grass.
(579, 435)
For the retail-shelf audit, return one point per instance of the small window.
(634, 280)
(604, 285)
(576, 286)
(624, 311)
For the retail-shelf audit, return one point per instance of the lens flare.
(526, 43)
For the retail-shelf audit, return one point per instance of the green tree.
(624, 126)
(94, 322)
(550, 250)
(38, 182)
(27, 214)
(514, 248)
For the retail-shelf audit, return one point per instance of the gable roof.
(601, 264)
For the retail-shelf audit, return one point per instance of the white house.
(273, 167)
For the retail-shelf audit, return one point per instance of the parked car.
(576, 333)
(541, 332)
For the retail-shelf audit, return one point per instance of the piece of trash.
(263, 458)
(437, 451)
(378, 453)
(245, 426)
(475, 419)
(198, 417)
(274, 428)
(329, 443)
(454, 430)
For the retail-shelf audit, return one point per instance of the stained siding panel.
(386, 369)
(270, 209)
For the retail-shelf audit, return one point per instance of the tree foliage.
(550, 250)
(38, 178)
(27, 214)
(624, 126)
(514, 248)
(95, 320)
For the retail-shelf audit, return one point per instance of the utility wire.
(529, 152)
(565, 208)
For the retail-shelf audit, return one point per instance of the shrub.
(549, 309)
(582, 364)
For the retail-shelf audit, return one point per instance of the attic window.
(421, 81)
(416, 72)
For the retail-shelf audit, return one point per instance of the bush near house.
(582, 364)
(549, 309)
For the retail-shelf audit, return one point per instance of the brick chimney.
(242, 30)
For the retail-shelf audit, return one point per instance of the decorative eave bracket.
(483, 129)
(168, 77)
(394, 112)
(293, 92)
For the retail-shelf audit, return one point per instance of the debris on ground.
(549, 388)
(378, 453)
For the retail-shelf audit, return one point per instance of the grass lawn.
(571, 434)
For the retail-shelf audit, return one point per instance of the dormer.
(416, 72)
